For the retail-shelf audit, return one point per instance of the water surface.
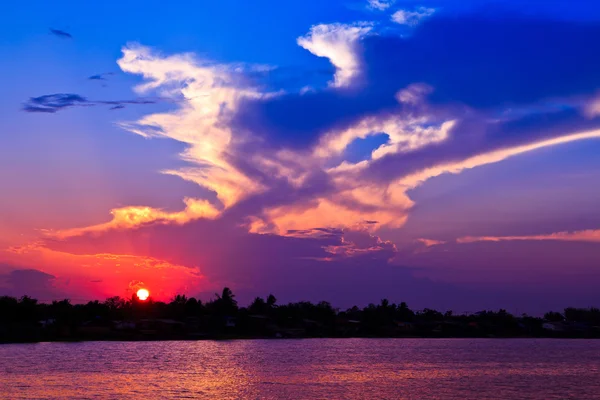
(304, 369)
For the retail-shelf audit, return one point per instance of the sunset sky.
(442, 153)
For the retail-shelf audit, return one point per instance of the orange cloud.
(577, 236)
(136, 216)
(349, 208)
(495, 156)
(430, 242)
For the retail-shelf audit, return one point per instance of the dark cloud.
(100, 77)
(487, 61)
(20, 282)
(52, 103)
(479, 62)
(61, 34)
(299, 120)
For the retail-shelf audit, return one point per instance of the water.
(303, 369)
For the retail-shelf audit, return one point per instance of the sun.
(143, 294)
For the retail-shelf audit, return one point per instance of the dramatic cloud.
(284, 189)
(518, 78)
(412, 18)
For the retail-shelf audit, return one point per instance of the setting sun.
(143, 294)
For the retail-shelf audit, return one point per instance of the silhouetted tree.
(271, 300)
(258, 306)
(553, 316)
(404, 313)
(28, 320)
(226, 303)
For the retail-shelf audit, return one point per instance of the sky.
(442, 153)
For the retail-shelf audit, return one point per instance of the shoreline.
(266, 338)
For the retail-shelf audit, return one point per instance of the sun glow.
(143, 294)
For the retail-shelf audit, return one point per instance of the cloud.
(100, 77)
(52, 103)
(405, 134)
(338, 43)
(412, 18)
(277, 188)
(136, 216)
(420, 175)
(208, 93)
(380, 5)
(61, 34)
(20, 282)
(273, 188)
(591, 108)
(590, 235)
(431, 242)
(414, 94)
(516, 71)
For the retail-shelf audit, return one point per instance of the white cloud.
(412, 18)
(338, 43)
(380, 5)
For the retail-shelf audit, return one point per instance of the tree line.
(26, 319)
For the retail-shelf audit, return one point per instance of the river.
(304, 369)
